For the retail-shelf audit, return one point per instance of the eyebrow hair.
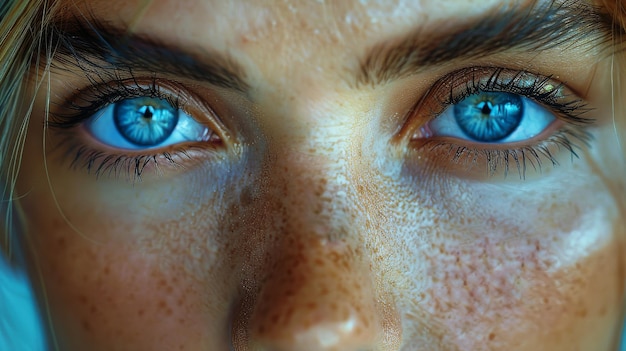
(535, 27)
(92, 45)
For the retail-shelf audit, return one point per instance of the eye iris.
(145, 121)
(489, 116)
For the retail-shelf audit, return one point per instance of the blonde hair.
(19, 41)
(617, 9)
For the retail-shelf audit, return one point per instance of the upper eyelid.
(97, 97)
(543, 89)
(448, 90)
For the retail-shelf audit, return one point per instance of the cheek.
(507, 296)
(541, 274)
(115, 291)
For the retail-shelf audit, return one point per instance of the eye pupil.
(485, 109)
(147, 111)
(145, 121)
(489, 116)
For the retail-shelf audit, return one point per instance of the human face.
(324, 202)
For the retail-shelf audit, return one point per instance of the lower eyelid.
(85, 154)
(446, 156)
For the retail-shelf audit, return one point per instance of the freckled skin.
(326, 231)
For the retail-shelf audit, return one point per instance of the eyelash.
(482, 79)
(100, 95)
(90, 101)
(572, 136)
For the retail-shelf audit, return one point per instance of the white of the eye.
(102, 127)
(534, 121)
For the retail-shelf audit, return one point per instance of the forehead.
(299, 26)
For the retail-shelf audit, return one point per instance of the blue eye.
(492, 117)
(144, 123)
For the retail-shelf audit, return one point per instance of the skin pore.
(324, 213)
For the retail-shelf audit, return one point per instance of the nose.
(319, 292)
(316, 299)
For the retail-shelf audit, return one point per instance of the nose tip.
(318, 299)
(316, 335)
(315, 327)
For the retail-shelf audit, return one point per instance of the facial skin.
(319, 223)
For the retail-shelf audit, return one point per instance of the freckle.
(492, 336)
(86, 325)
(107, 270)
(93, 309)
(82, 299)
(169, 312)
(140, 313)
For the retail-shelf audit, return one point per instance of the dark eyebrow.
(95, 45)
(534, 27)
